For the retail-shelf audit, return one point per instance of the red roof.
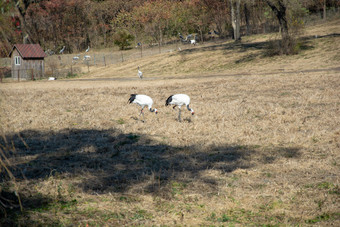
(29, 50)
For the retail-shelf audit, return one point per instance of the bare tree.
(235, 18)
(280, 10)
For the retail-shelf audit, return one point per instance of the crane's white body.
(142, 101)
(179, 100)
(76, 58)
(140, 73)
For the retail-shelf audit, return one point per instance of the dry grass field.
(263, 148)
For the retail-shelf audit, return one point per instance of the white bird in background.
(179, 100)
(87, 57)
(52, 78)
(140, 74)
(76, 58)
(193, 42)
(88, 49)
(142, 100)
(62, 50)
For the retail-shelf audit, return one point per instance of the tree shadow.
(304, 43)
(111, 161)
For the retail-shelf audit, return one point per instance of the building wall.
(16, 69)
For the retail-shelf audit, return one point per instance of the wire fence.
(68, 65)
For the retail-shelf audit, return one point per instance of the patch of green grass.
(177, 187)
(325, 185)
(71, 75)
(141, 214)
(315, 139)
(224, 218)
(133, 137)
(58, 205)
(332, 188)
(284, 94)
(323, 217)
(230, 216)
(121, 121)
(267, 174)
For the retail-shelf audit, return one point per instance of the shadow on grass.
(111, 161)
(264, 47)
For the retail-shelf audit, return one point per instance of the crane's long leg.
(141, 113)
(179, 114)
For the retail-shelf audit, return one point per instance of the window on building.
(17, 60)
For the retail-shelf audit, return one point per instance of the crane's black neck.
(189, 108)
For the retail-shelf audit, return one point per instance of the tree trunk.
(160, 40)
(280, 13)
(246, 16)
(21, 14)
(235, 18)
(324, 9)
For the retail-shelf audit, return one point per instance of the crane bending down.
(142, 100)
(179, 100)
(140, 74)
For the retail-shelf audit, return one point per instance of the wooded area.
(77, 24)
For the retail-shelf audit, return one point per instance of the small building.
(27, 61)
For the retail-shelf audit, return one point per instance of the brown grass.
(262, 149)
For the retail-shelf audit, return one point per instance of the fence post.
(18, 75)
(141, 51)
(71, 70)
(88, 66)
(104, 61)
(32, 74)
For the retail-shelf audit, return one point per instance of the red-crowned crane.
(142, 100)
(62, 50)
(140, 74)
(179, 100)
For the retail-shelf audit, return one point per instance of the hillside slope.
(319, 46)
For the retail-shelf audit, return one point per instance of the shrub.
(123, 39)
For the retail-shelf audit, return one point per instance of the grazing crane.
(88, 49)
(62, 50)
(179, 100)
(142, 100)
(87, 57)
(140, 74)
(76, 58)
